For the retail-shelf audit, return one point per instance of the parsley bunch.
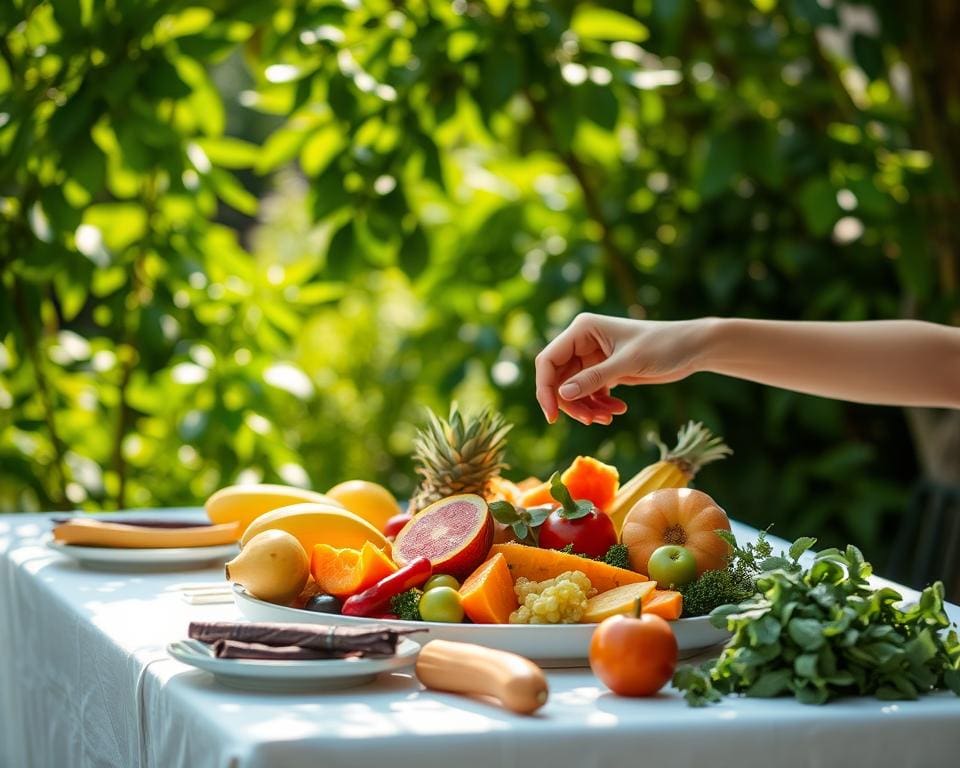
(731, 584)
(823, 632)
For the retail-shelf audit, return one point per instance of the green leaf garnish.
(820, 632)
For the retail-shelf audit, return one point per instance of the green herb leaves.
(824, 632)
(524, 522)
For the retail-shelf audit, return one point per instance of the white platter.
(565, 645)
(312, 675)
(133, 559)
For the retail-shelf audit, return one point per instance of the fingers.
(593, 378)
(556, 362)
(599, 408)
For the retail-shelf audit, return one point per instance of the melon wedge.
(538, 564)
(454, 533)
(616, 601)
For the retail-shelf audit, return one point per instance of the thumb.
(589, 380)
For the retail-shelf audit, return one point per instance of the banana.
(98, 533)
(313, 523)
(244, 503)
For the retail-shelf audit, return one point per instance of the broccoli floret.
(618, 555)
(713, 589)
(407, 605)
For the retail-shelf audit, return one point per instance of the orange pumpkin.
(681, 516)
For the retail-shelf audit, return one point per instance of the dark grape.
(323, 604)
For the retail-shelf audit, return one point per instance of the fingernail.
(569, 390)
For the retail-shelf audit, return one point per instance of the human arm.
(891, 362)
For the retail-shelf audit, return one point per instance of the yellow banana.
(244, 503)
(98, 533)
(313, 524)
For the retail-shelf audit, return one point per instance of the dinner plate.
(131, 559)
(312, 675)
(550, 645)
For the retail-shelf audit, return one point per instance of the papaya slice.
(487, 596)
(590, 479)
(665, 603)
(538, 564)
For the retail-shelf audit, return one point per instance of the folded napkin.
(331, 642)
(234, 649)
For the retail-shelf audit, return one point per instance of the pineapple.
(696, 446)
(459, 455)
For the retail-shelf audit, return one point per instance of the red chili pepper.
(376, 599)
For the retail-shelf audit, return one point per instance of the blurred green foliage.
(250, 241)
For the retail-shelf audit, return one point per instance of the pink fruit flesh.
(456, 523)
(454, 535)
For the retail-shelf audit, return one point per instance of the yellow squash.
(696, 446)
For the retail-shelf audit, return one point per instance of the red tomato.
(392, 527)
(633, 656)
(591, 535)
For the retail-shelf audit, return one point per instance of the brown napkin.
(331, 641)
(234, 649)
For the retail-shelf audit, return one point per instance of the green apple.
(672, 566)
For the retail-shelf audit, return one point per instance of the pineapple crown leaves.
(696, 446)
(458, 454)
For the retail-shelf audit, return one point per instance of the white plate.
(563, 645)
(315, 674)
(132, 559)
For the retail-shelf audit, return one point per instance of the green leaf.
(229, 152)
(818, 203)
(807, 633)
(805, 665)
(951, 678)
(594, 23)
(720, 164)
(320, 150)
(281, 148)
(869, 55)
(800, 546)
(503, 512)
(120, 224)
(770, 684)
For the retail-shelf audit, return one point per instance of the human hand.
(577, 370)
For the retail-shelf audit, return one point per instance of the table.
(85, 681)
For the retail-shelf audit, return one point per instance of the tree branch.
(616, 260)
(43, 390)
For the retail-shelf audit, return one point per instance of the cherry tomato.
(392, 527)
(633, 656)
(591, 535)
(441, 604)
(441, 580)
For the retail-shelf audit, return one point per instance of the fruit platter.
(529, 566)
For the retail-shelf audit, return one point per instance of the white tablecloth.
(85, 681)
